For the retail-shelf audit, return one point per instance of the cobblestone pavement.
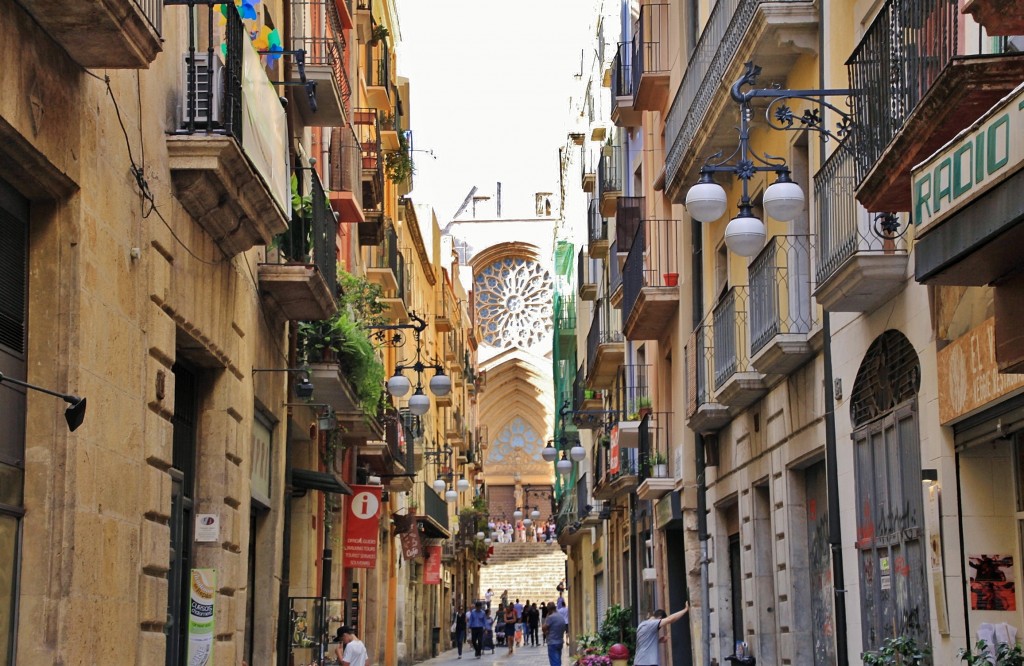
(524, 656)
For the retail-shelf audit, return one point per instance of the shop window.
(890, 511)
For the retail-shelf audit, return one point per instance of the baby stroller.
(488, 639)
(499, 635)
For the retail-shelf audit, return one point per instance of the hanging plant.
(378, 34)
(398, 164)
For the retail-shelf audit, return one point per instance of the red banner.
(362, 522)
(613, 452)
(432, 568)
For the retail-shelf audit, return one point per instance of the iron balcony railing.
(622, 72)
(597, 226)
(605, 328)
(631, 391)
(651, 261)
(652, 450)
(901, 54)
(367, 128)
(844, 228)
(614, 271)
(311, 234)
(565, 315)
(579, 389)
(435, 507)
(345, 171)
(629, 211)
(153, 11)
(780, 290)
(213, 92)
(399, 444)
(378, 70)
(609, 176)
(650, 47)
(707, 67)
(732, 345)
(700, 350)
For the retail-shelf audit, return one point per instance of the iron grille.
(13, 269)
(780, 290)
(889, 375)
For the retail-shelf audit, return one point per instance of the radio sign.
(977, 159)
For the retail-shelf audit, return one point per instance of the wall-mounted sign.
(259, 475)
(969, 376)
(432, 567)
(207, 528)
(203, 591)
(614, 451)
(978, 158)
(362, 522)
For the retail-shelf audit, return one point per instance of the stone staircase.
(527, 570)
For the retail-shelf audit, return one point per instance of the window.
(13, 337)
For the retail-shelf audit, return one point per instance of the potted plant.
(659, 465)
(378, 34)
(387, 121)
(643, 406)
(398, 164)
(671, 279)
(370, 153)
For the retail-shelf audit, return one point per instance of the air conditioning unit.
(208, 106)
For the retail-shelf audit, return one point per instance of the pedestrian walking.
(554, 635)
(510, 628)
(351, 652)
(533, 623)
(459, 630)
(647, 653)
(476, 622)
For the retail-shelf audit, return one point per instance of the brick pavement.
(524, 656)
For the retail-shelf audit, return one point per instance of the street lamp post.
(398, 384)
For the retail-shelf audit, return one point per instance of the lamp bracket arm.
(780, 116)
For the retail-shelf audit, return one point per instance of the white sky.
(491, 82)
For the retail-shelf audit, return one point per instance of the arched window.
(890, 511)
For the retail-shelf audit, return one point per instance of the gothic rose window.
(513, 303)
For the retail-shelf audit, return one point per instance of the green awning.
(307, 479)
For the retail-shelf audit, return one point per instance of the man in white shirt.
(351, 652)
(647, 653)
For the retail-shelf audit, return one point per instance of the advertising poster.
(614, 452)
(200, 620)
(992, 582)
(362, 520)
(432, 570)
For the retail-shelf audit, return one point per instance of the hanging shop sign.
(411, 545)
(362, 520)
(432, 567)
(978, 158)
(614, 451)
(203, 590)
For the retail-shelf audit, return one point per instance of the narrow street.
(524, 656)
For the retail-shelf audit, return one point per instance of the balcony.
(318, 31)
(565, 324)
(605, 348)
(585, 273)
(455, 429)
(616, 475)
(394, 296)
(703, 414)
(390, 130)
(367, 131)
(630, 394)
(629, 211)
(923, 83)
(623, 114)
(103, 34)
(655, 436)
(383, 263)
(302, 286)
(345, 184)
(615, 275)
(737, 383)
(228, 155)
(389, 457)
(378, 76)
(651, 58)
(701, 119)
(597, 231)
(588, 170)
(781, 312)
(609, 178)
(587, 404)
(859, 266)
(447, 314)
(650, 281)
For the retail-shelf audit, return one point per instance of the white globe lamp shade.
(419, 403)
(564, 466)
(439, 486)
(527, 522)
(450, 495)
(440, 384)
(549, 454)
(745, 235)
(577, 453)
(487, 541)
(535, 514)
(706, 201)
(462, 485)
(494, 536)
(517, 514)
(479, 536)
(783, 200)
(399, 385)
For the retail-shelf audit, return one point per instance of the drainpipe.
(702, 534)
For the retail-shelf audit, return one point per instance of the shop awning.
(307, 479)
(430, 529)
